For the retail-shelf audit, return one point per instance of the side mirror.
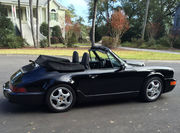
(122, 67)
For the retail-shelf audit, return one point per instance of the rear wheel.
(152, 89)
(60, 98)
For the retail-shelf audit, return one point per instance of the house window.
(54, 15)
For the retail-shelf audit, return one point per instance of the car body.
(104, 75)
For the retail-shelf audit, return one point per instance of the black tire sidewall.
(51, 108)
(144, 90)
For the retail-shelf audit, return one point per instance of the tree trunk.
(32, 23)
(19, 12)
(94, 22)
(37, 23)
(145, 19)
(49, 32)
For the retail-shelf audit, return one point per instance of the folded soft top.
(59, 64)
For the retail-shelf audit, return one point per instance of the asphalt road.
(116, 116)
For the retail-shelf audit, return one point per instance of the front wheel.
(152, 89)
(60, 98)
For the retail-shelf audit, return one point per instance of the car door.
(111, 80)
(108, 81)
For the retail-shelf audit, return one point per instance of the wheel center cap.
(61, 98)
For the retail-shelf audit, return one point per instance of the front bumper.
(168, 87)
(23, 98)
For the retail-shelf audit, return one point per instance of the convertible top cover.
(59, 64)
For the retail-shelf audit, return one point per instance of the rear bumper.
(168, 87)
(23, 98)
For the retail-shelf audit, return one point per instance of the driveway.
(115, 116)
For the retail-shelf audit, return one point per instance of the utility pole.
(145, 19)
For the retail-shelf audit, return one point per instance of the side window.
(102, 55)
(93, 56)
(113, 60)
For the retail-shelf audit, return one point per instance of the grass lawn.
(125, 54)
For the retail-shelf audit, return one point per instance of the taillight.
(173, 83)
(19, 90)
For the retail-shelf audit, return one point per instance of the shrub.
(176, 43)
(6, 28)
(136, 41)
(44, 29)
(56, 32)
(44, 43)
(71, 40)
(54, 40)
(108, 41)
(151, 42)
(14, 41)
(129, 44)
(165, 41)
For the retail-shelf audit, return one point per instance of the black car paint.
(87, 84)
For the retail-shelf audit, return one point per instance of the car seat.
(75, 57)
(85, 60)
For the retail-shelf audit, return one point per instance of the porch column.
(12, 10)
(40, 16)
(15, 15)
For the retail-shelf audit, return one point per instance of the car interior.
(96, 59)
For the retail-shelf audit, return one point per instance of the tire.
(152, 89)
(60, 98)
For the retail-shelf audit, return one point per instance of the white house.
(57, 15)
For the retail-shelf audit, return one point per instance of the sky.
(81, 7)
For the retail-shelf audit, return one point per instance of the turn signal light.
(173, 83)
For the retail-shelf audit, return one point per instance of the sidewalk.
(150, 50)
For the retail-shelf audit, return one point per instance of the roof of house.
(26, 2)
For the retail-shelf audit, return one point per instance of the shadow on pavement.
(9, 108)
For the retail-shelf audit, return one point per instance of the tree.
(119, 24)
(19, 12)
(49, 31)
(37, 23)
(32, 23)
(145, 19)
(94, 22)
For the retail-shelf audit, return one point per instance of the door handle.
(93, 76)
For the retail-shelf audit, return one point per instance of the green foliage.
(44, 43)
(136, 41)
(165, 41)
(3, 11)
(108, 42)
(14, 41)
(57, 35)
(44, 29)
(6, 28)
(56, 31)
(151, 42)
(54, 40)
(72, 39)
(176, 43)
(7, 36)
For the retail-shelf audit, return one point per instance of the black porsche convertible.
(59, 82)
